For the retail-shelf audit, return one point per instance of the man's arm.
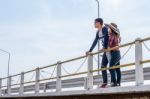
(106, 37)
(94, 43)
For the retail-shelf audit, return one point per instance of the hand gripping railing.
(139, 77)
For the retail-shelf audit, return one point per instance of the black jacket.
(105, 38)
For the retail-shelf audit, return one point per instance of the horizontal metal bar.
(124, 65)
(29, 71)
(19, 74)
(14, 84)
(3, 86)
(48, 66)
(146, 39)
(109, 49)
(29, 82)
(145, 61)
(73, 59)
(114, 67)
(48, 78)
(74, 74)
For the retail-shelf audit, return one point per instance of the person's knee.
(111, 70)
(103, 66)
(118, 70)
(112, 63)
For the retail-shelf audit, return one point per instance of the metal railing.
(87, 82)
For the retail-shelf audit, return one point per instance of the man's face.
(97, 25)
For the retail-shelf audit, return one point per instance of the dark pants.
(104, 65)
(115, 73)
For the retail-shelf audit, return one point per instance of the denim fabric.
(104, 65)
(115, 73)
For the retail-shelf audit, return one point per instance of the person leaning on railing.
(114, 40)
(102, 34)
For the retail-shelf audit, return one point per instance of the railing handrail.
(80, 57)
(75, 74)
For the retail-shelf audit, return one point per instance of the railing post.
(90, 73)
(21, 83)
(58, 82)
(37, 81)
(9, 85)
(0, 87)
(138, 66)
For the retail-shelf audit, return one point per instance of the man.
(102, 34)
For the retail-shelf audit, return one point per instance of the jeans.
(105, 61)
(115, 73)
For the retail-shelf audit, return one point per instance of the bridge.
(39, 83)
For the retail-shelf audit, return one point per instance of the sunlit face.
(97, 25)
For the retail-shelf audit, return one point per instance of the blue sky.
(41, 32)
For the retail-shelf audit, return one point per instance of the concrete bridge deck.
(136, 92)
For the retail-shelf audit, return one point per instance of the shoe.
(118, 84)
(103, 85)
(113, 85)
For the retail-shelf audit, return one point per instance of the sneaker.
(103, 85)
(113, 85)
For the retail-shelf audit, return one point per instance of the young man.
(102, 34)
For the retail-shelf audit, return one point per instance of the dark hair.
(100, 20)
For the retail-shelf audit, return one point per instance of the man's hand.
(103, 50)
(88, 53)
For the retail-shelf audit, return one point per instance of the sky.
(41, 32)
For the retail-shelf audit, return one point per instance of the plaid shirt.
(114, 40)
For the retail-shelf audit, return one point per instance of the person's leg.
(104, 65)
(112, 71)
(118, 71)
(108, 55)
